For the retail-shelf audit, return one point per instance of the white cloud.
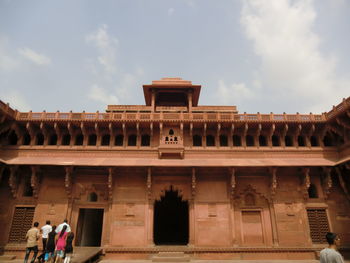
(106, 72)
(7, 62)
(16, 100)
(236, 91)
(171, 11)
(34, 57)
(98, 94)
(107, 48)
(292, 65)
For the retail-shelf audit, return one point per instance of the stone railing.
(169, 117)
(344, 105)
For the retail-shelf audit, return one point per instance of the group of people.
(57, 242)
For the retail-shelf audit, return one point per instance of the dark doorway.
(171, 220)
(89, 228)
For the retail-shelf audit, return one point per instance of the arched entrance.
(171, 219)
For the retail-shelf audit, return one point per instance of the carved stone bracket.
(110, 184)
(149, 183)
(68, 181)
(273, 187)
(34, 181)
(306, 182)
(342, 183)
(233, 182)
(13, 180)
(193, 183)
(327, 183)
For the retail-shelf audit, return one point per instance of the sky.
(259, 55)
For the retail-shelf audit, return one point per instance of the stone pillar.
(189, 97)
(153, 101)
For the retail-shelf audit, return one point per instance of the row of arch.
(67, 139)
(197, 140)
(249, 140)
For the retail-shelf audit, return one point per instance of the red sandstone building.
(175, 176)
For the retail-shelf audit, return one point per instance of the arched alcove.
(145, 140)
(119, 140)
(92, 139)
(92, 197)
(312, 191)
(106, 138)
(223, 140)
(171, 219)
(237, 141)
(197, 140)
(210, 140)
(132, 140)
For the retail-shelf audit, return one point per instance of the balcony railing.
(193, 117)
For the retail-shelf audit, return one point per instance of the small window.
(262, 140)
(288, 141)
(132, 140)
(66, 139)
(92, 139)
(92, 197)
(249, 140)
(21, 222)
(210, 140)
(27, 188)
(119, 140)
(53, 139)
(275, 140)
(318, 223)
(237, 141)
(223, 140)
(105, 140)
(26, 139)
(79, 139)
(197, 140)
(145, 140)
(39, 139)
(312, 191)
(171, 132)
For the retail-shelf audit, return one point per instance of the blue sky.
(260, 55)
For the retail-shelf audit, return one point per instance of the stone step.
(171, 257)
(7, 257)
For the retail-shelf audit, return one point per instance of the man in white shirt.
(60, 226)
(330, 253)
(45, 230)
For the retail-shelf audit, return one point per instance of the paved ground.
(196, 261)
(220, 261)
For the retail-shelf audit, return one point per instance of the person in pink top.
(60, 244)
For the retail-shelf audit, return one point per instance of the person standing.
(69, 247)
(60, 226)
(330, 253)
(61, 244)
(51, 244)
(32, 238)
(45, 230)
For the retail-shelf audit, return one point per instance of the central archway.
(171, 219)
